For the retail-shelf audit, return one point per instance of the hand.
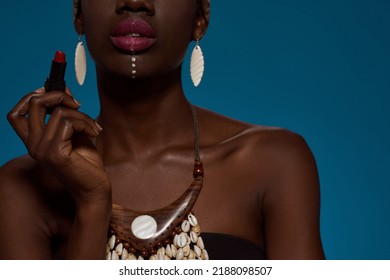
(62, 144)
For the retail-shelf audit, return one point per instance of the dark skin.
(260, 184)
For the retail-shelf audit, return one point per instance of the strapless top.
(227, 247)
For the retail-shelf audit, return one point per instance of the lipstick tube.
(56, 80)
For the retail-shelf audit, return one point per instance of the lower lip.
(132, 44)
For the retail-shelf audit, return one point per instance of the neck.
(142, 117)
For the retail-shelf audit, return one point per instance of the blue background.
(320, 68)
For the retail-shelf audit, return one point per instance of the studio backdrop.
(319, 68)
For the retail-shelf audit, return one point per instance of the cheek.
(180, 20)
(177, 30)
(96, 23)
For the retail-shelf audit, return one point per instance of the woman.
(256, 196)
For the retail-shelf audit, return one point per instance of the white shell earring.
(80, 62)
(197, 65)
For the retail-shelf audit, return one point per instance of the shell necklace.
(169, 233)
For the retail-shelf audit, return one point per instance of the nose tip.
(136, 6)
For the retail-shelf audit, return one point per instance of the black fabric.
(227, 247)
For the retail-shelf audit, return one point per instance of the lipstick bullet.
(56, 81)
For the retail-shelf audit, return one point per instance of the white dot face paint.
(133, 66)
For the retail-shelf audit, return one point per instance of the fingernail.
(99, 126)
(75, 101)
(40, 90)
(96, 131)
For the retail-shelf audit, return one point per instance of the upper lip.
(133, 27)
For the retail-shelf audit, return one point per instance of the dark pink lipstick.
(57, 73)
(133, 35)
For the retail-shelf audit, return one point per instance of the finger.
(40, 90)
(17, 117)
(38, 107)
(68, 92)
(56, 144)
(67, 129)
(60, 112)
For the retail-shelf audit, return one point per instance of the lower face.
(115, 36)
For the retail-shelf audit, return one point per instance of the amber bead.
(198, 173)
(196, 229)
(158, 244)
(144, 253)
(198, 169)
(167, 242)
(126, 245)
(153, 251)
(132, 250)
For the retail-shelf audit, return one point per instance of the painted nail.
(77, 102)
(40, 90)
(99, 126)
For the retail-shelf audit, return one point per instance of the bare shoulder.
(21, 181)
(24, 184)
(24, 173)
(272, 174)
(24, 209)
(257, 142)
(18, 175)
(279, 167)
(267, 159)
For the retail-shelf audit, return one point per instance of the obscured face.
(153, 34)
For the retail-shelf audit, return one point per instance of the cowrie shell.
(193, 220)
(205, 255)
(197, 251)
(161, 251)
(114, 256)
(185, 226)
(168, 251)
(186, 250)
(194, 237)
(180, 254)
(119, 249)
(182, 240)
(125, 254)
(200, 243)
(111, 242)
(175, 240)
(191, 255)
(174, 251)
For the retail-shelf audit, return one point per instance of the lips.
(133, 35)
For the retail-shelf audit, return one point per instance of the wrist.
(97, 206)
